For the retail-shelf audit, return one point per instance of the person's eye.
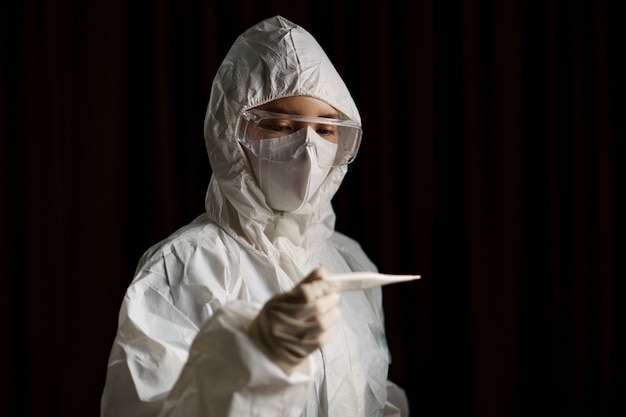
(326, 131)
(276, 126)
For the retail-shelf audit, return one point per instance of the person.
(232, 315)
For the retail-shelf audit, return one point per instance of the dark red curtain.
(490, 165)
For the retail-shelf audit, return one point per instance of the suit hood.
(273, 59)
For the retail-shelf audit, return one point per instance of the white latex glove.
(294, 324)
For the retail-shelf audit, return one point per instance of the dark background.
(490, 166)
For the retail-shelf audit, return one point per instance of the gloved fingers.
(328, 318)
(297, 315)
(308, 327)
(326, 303)
(289, 313)
(313, 290)
(308, 344)
(314, 285)
(279, 346)
(294, 353)
(296, 348)
(292, 325)
(296, 342)
(324, 314)
(315, 275)
(309, 289)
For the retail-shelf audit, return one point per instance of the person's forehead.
(302, 105)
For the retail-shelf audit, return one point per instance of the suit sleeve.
(162, 364)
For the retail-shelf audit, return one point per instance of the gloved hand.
(292, 325)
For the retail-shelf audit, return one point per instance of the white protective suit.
(181, 348)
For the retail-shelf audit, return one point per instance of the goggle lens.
(257, 126)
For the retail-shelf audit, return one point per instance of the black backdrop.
(490, 165)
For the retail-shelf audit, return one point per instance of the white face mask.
(287, 186)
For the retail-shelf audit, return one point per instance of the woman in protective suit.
(231, 315)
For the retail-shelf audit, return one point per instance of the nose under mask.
(287, 186)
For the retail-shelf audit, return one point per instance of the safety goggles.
(257, 127)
